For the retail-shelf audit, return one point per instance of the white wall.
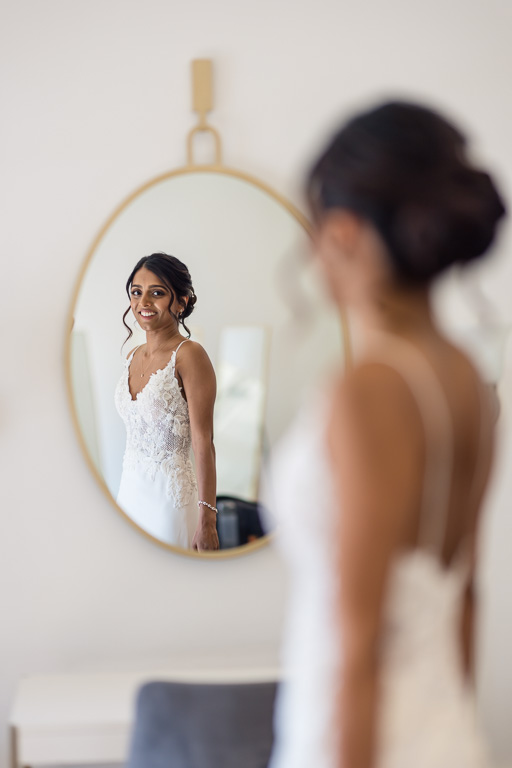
(95, 100)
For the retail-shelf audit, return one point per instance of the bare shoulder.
(372, 410)
(130, 353)
(470, 393)
(193, 355)
(462, 376)
(370, 391)
(192, 350)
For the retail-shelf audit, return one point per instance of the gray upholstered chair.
(181, 725)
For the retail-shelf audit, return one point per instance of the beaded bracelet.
(209, 506)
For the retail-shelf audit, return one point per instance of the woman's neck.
(160, 339)
(405, 313)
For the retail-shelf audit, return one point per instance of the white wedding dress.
(426, 709)
(158, 487)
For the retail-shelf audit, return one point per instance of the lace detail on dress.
(158, 431)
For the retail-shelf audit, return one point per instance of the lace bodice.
(158, 435)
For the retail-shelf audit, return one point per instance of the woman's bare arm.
(198, 377)
(376, 452)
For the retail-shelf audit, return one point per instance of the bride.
(166, 397)
(383, 476)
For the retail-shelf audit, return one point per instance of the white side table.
(87, 719)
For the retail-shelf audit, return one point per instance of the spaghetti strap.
(428, 394)
(174, 354)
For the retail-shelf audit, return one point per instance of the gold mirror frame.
(202, 103)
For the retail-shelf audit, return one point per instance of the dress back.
(426, 710)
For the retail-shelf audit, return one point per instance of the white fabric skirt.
(147, 502)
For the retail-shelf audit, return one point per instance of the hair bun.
(190, 305)
(405, 168)
(456, 226)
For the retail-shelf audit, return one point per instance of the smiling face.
(149, 301)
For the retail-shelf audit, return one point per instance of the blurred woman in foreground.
(383, 477)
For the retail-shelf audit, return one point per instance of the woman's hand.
(206, 538)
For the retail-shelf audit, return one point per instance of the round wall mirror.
(261, 315)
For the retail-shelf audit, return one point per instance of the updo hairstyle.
(404, 168)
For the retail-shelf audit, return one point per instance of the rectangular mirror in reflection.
(242, 365)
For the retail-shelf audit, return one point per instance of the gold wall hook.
(202, 103)
(202, 93)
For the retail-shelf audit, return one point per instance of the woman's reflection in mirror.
(166, 398)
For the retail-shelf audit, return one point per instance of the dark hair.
(404, 168)
(173, 274)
